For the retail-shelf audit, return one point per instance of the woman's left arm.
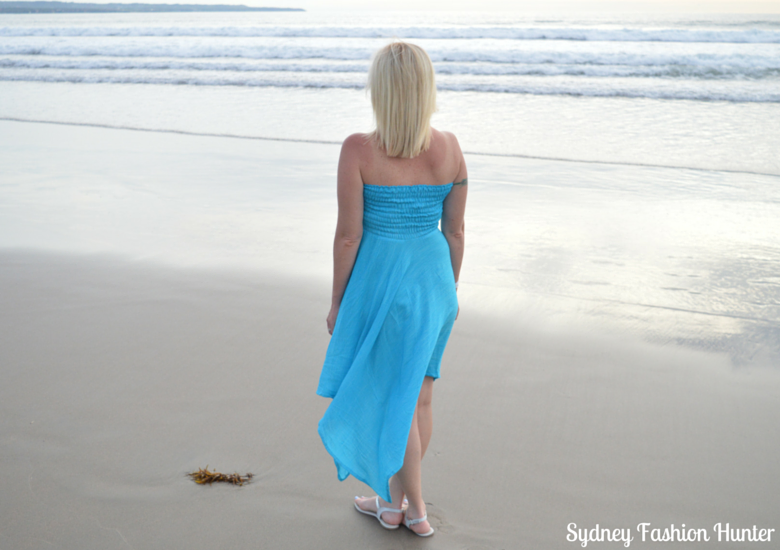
(349, 228)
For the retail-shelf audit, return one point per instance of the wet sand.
(162, 308)
(120, 377)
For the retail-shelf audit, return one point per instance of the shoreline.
(554, 127)
(326, 142)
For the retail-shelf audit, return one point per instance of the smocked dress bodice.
(403, 211)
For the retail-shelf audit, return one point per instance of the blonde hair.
(403, 94)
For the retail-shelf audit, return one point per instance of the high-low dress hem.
(394, 321)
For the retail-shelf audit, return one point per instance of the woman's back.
(438, 165)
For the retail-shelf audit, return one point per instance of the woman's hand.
(331, 320)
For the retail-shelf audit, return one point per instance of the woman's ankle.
(415, 512)
(396, 493)
(384, 504)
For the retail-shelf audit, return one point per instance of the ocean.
(623, 168)
(699, 92)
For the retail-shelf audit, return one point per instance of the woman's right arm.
(349, 228)
(452, 221)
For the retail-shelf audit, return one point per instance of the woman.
(394, 287)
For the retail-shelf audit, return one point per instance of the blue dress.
(393, 324)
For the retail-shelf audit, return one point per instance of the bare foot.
(369, 505)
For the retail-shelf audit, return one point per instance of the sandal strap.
(410, 522)
(380, 510)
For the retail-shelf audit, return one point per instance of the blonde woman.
(394, 288)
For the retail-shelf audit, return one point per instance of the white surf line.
(167, 131)
(329, 142)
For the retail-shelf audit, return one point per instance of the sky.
(668, 6)
(530, 6)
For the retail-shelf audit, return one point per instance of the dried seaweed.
(204, 476)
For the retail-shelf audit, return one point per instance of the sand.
(162, 308)
(120, 377)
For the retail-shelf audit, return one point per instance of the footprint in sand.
(437, 519)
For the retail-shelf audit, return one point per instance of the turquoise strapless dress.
(393, 324)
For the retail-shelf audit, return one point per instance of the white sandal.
(379, 512)
(409, 522)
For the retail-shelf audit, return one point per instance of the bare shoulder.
(357, 140)
(448, 144)
(356, 144)
(448, 138)
(355, 155)
(450, 150)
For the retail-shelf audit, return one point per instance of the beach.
(121, 378)
(125, 372)
(167, 210)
